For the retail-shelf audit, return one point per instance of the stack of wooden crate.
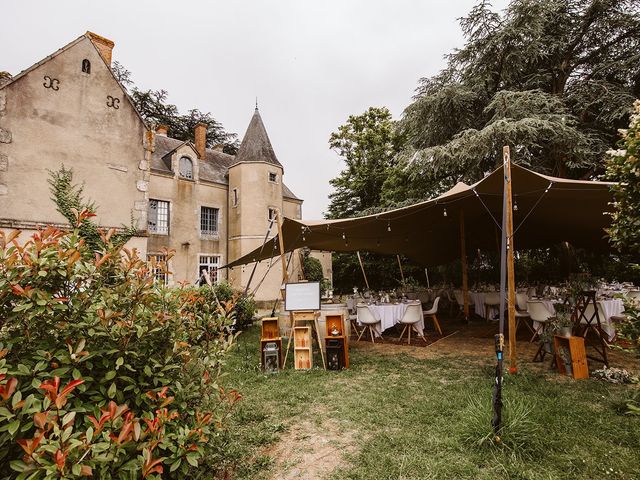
(336, 343)
(270, 333)
(303, 352)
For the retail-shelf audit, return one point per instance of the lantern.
(271, 355)
(335, 353)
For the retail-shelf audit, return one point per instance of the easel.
(593, 323)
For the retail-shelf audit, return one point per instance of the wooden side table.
(571, 356)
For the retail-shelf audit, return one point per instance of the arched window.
(86, 66)
(186, 168)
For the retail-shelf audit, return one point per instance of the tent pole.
(400, 265)
(513, 368)
(285, 273)
(364, 274)
(463, 261)
(285, 279)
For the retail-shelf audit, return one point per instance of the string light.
(515, 206)
(444, 212)
(344, 237)
(389, 226)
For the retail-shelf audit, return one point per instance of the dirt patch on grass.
(312, 448)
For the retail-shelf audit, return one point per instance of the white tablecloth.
(479, 306)
(610, 308)
(390, 314)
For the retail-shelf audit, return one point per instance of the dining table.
(390, 314)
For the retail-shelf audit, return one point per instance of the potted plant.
(546, 340)
(564, 324)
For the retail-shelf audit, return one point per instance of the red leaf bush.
(102, 373)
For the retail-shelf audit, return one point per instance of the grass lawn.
(395, 416)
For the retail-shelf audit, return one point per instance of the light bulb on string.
(389, 226)
(444, 212)
(515, 206)
(344, 237)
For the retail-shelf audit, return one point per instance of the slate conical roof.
(255, 146)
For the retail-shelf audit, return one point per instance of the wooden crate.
(303, 360)
(571, 356)
(302, 337)
(335, 321)
(303, 351)
(270, 328)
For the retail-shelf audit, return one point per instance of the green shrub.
(519, 435)
(244, 306)
(101, 372)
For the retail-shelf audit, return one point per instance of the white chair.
(522, 314)
(353, 317)
(411, 316)
(432, 313)
(366, 318)
(491, 300)
(538, 312)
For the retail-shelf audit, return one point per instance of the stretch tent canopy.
(547, 210)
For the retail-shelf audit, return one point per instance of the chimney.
(218, 147)
(200, 135)
(162, 130)
(104, 46)
(5, 77)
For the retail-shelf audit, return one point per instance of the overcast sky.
(311, 64)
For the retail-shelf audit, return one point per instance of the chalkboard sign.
(302, 296)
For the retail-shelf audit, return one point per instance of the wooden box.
(337, 322)
(336, 344)
(270, 328)
(303, 352)
(571, 356)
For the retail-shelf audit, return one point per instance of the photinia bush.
(103, 373)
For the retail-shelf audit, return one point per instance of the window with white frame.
(185, 168)
(272, 214)
(158, 217)
(208, 221)
(234, 197)
(210, 263)
(159, 268)
(273, 177)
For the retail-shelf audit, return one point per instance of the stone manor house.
(207, 206)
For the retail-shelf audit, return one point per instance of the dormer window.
(186, 168)
(273, 177)
(86, 66)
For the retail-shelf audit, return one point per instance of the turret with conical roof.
(256, 146)
(255, 194)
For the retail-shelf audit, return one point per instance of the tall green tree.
(368, 144)
(554, 79)
(155, 109)
(623, 166)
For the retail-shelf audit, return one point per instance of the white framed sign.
(302, 296)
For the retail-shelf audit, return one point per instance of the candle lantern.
(271, 356)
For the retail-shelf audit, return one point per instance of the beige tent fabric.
(549, 210)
